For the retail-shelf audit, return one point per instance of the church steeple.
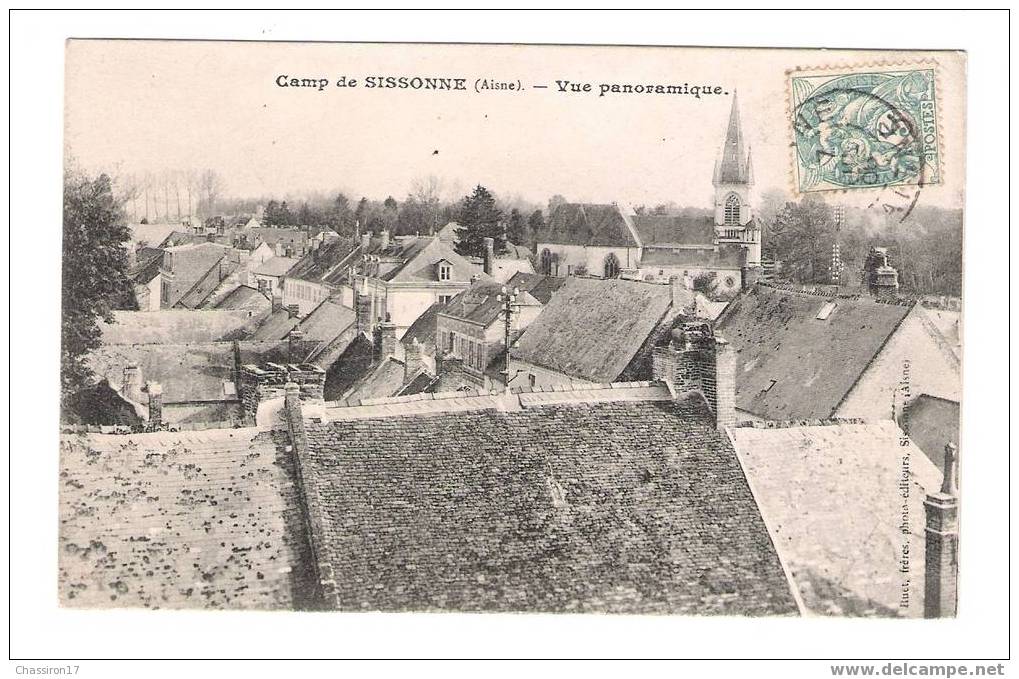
(733, 166)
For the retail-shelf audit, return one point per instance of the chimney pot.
(489, 261)
(387, 331)
(155, 391)
(941, 562)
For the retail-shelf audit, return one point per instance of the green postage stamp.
(865, 129)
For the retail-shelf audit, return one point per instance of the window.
(825, 311)
(445, 272)
(546, 262)
(470, 355)
(444, 299)
(730, 281)
(611, 266)
(732, 206)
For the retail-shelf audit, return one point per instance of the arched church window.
(611, 266)
(732, 210)
(546, 262)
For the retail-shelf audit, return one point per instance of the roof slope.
(630, 507)
(326, 321)
(589, 224)
(245, 298)
(480, 303)
(178, 326)
(423, 329)
(206, 519)
(792, 365)
(275, 266)
(276, 326)
(833, 498)
(537, 285)
(419, 257)
(593, 328)
(196, 372)
(723, 257)
(315, 265)
(384, 379)
(675, 230)
(192, 265)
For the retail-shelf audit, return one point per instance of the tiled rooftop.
(205, 519)
(833, 498)
(634, 505)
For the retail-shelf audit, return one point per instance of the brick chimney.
(260, 383)
(697, 360)
(413, 362)
(363, 308)
(387, 331)
(293, 310)
(384, 239)
(366, 241)
(277, 302)
(132, 387)
(489, 262)
(155, 390)
(942, 538)
(881, 279)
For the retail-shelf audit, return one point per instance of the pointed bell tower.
(733, 178)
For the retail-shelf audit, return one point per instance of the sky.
(137, 106)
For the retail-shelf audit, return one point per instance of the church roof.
(589, 224)
(734, 165)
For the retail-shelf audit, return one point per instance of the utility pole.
(508, 298)
(836, 254)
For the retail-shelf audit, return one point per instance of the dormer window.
(826, 310)
(445, 271)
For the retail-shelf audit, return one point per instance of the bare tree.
(210, 186)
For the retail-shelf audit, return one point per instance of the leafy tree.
(536, 223)
(94, 273)
(479, 218)
(516, 228)
(801, 237)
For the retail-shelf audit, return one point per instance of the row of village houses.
(654, 452)
(385, 424)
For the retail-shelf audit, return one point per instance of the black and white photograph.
(361, 330)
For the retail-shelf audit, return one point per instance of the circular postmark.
(863, 131)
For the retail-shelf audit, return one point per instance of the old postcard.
(511, 328)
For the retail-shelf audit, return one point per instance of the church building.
(609, 241)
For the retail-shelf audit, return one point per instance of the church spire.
(734, 165)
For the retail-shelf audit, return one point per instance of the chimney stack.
(489, 262)
(366, 241)
(412, 360)
(697, 360)
(384, 239)
(387, 331)
(155, 404)
(881, 279)
(941, 562)
(293, 310)
(277, 302)
(132, 387)
(363, 308)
